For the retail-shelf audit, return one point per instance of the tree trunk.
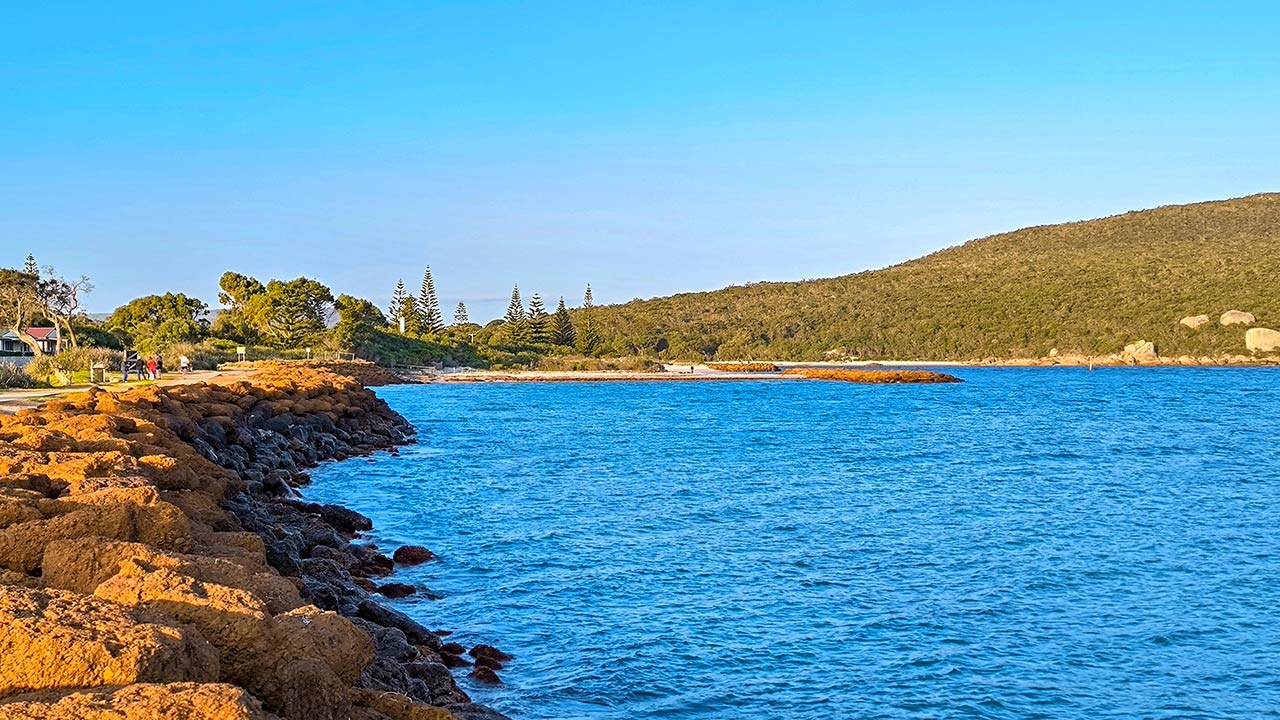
(28, 341)
(71, 335)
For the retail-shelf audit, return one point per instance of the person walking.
(151, 367)
(159, 366)
(184, 364)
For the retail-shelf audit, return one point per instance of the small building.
(46, 337)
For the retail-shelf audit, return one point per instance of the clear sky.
(645, 147)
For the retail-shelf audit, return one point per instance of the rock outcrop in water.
(156, 563)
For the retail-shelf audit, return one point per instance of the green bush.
(12, 376)
(203, 356)
(622, 364)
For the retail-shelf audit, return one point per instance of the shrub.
(46, 370)
(747, 367)
(203, 356)
(623, 364)
(12, 376)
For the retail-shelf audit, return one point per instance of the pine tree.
(562, 332)
(588, 340)
(31, 268)
(515, 321)
(539, 321)
(429, 305)
(412, 316)
(399, 299)
(460, 315)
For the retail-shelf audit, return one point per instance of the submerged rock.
(489, 651)
(412, 555)
(396, 590)
(486, 676)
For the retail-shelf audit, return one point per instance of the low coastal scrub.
(71, 366)
(12, 376)
(623, 364)
(874, 376)
(1087, 288)
(744, 367)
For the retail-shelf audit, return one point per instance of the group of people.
(151, 368)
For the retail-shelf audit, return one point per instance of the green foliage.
(402, 307)
(12, 377)
(203, 356)
(579, 362)
(460, 316)
(387, 347)
(19, 300)
(588, 340)
(236, 291)
(60, 369)
(152, 321)
(359, 322)
(93, 335)
(515, 322)
(562, 332)
(538, 322)
(429, 318)
(291, 314)
(1087, 287)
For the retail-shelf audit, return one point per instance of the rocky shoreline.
(156, 562)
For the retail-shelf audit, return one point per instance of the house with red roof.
(10, 344)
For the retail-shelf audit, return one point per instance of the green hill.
(1087, 287)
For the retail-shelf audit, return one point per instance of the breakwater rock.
(156, 562)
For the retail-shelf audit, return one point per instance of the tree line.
(282, 316)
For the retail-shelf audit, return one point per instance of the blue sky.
(645, 147)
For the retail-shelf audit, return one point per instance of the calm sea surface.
(1034, 543)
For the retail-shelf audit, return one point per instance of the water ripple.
(1035, 543)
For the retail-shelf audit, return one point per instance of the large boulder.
(1140, 352)
(81, 565)
(280, 660)
(172, 701)
(1195, 321)
(54, 639)
(1262, 340)
(134, 514)
(1237, 317)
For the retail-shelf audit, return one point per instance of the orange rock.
(171, 701)
(399, 707)
(279, 663)
(163, 525)
(84, 564)
(56, 639)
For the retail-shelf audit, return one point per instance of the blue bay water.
(1034, 543)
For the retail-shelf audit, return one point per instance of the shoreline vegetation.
(1150, 287)
(156, 558)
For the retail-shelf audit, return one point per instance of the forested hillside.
(1087, 287)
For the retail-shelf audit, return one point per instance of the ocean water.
(1034, 543)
